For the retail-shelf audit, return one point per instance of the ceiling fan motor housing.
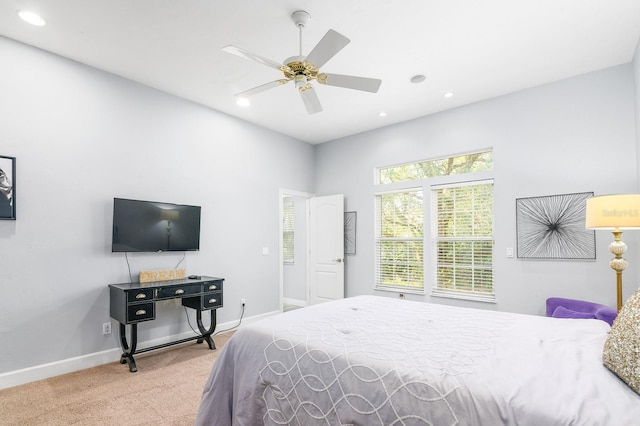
(296, 65)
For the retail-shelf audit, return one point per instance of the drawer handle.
(141, 296)
(179, 291)
(141, 312)
(212, 287)
(213, 300)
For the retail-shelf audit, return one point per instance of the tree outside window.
(399, 240)
(461, 222)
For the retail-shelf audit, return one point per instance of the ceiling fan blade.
(327, 47)
(251, 56)
(310, 99)
(261, 88)
(350, 82)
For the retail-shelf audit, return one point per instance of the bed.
(371, 360)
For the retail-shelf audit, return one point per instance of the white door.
(326, 248)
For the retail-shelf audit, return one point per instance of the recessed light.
(243, 102)
(382, 114)
(31, 17)
(448, 95)
(419, 78)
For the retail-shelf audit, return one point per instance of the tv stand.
(132, 303)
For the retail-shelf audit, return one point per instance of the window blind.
(462, 237)
(400, 240)
(288, 235)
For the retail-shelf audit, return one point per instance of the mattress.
(371, 360)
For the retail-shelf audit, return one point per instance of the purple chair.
(558, 307)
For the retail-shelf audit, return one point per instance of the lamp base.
(618, 263)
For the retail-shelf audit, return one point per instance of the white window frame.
(396, 288)
(457, 294)
(379, 170)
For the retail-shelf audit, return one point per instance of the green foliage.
(468, 163)
(464, 227)
(400, 246)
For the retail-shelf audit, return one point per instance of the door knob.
(337, 260)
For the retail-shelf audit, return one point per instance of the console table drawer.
(212, 300)
(212, 286)
(140, 295)
(204, 302)
(182, 291)
(140, 312)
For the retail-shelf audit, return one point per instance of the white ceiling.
(477, 49)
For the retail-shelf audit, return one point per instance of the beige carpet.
(165, 390)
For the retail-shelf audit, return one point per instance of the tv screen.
(149, 226)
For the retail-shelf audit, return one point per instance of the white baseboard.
(294, 302)
(52, 369)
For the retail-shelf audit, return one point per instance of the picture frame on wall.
(350, 219)
(553, 227)
(7, 188)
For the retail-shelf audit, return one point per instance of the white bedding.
(371, 360)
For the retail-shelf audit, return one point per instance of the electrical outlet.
(106, 328)
(243, 301)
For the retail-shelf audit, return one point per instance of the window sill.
(400, 290)
(486, 298)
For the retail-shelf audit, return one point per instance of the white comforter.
(372, 360)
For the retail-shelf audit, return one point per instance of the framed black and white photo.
(7, 187)
(350, 219)
(553, 227)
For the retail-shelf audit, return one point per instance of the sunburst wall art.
(350, 219)
(552, 227)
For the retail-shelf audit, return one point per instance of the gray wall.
(83, 137)
(575, 135)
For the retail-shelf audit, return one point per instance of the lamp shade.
(620, 211)
(167, 214)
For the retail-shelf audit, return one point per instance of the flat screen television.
(149, 226)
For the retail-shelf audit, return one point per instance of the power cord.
(126, 256)
(128, 266)
(234, 327)
(219, 331)
(184, 254)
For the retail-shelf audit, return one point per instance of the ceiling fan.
(303, 70)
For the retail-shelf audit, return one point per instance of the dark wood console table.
(131, 303)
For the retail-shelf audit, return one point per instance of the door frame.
(282, 193)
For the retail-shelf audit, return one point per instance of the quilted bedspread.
(372, 360)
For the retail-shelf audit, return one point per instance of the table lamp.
(616, 213)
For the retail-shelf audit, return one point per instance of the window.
(288, 225)
(462, 240)
(400, 240)
(460, 235)
(467, 163)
